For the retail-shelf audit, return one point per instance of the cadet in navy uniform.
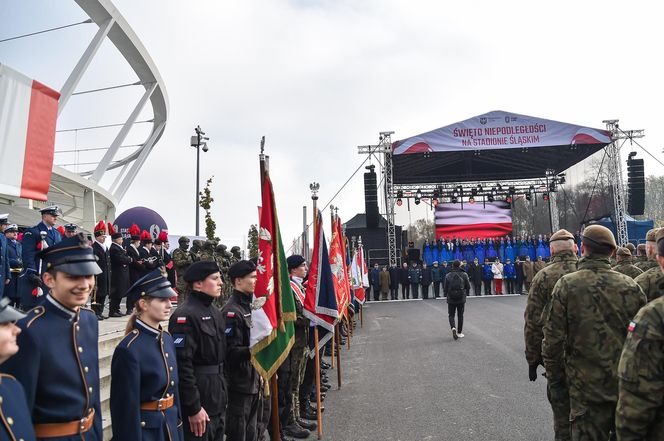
(5, 276)
(29, 281)
(145, 404)
(15, 422)
(244, 381)
(14, 252)
(58, 364)
(197, 327)
(104, 279)
(136, 267)
(119, 272)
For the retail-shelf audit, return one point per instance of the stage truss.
(481, 191)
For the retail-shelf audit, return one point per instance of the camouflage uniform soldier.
(236, 253)
(221, 256)
(182, 259)
(196, 247)
(640, 255)
(207, 253)
(652, 283)
(563, 261)
(624, 265)
(584, 331)
(651, 251)
(640, 411)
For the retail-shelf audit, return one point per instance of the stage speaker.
(413, 255)
(371, 197)
(636, 186)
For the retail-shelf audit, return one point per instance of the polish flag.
(475, 220)
(28, 114)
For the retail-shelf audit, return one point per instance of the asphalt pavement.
(406, 379)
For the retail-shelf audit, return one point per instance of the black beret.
(200, 270)
(241, 269)
(294, 261)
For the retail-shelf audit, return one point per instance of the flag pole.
(334, 334)
(276, 431)
(336, 331)
(333, 351)
(314, 197)
(349, 331)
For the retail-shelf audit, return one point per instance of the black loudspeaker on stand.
(636, 185)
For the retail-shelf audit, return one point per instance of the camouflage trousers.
(299, 354)
(594, 422)
(559, 400)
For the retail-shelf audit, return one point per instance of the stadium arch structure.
(80, 193)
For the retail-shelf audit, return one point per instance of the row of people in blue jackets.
(501, 248)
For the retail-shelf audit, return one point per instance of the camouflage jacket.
(585, 327)
(182, 259)
(627, 268)
(652, 283)
(640, 411)
(538, 297)
(646, 264)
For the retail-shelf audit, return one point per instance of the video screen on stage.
(484, 220)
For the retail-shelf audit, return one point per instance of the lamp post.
(199, 140)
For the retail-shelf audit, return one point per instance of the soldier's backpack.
(455, 286)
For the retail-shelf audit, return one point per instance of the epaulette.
(36, 312)
(129, 338)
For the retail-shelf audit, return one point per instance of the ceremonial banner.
(272, 333)
(339, 269)
(500, 130)
(320, 301)
(493, 219)
(28, 115)
(360, 275)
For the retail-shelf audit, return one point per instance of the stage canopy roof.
(492, 147)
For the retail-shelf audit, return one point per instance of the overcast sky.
(318, 78)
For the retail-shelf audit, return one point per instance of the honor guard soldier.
(42, 235)
(70, 230)
(103, 286)
(14, 252)
(145, 403)
(119, 272)
(585, 325)
(58, 364)
(15, 421)
(244, 382)
(5, 276)
(136, 267)
(197, 327)
(563, 261)
(161, 251)
(624, 263)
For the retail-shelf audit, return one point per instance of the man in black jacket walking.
(457, 286)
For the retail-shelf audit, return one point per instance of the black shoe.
(325, 365)
(115, 314)
(296, 431)
(285, 438)
(308, 414)
(325, 388)
(311, 426)
(100, 317)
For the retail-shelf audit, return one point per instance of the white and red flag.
(28, 115)
(359, 275)
(493, 219)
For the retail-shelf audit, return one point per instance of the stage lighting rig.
(418, 194)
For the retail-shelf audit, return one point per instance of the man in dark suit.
(119, 272)
(39, 237)
(103, 287)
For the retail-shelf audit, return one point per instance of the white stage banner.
(501, 130)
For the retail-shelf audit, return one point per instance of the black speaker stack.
(636, 185)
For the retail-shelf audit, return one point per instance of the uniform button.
(0, 399)
(90, 389)
(168, 395)
(170, 368)
(80, 349)
(142, 423)
(86, 369)
(78, 328)
(10, 421)
(166, 354)
(172, 383)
